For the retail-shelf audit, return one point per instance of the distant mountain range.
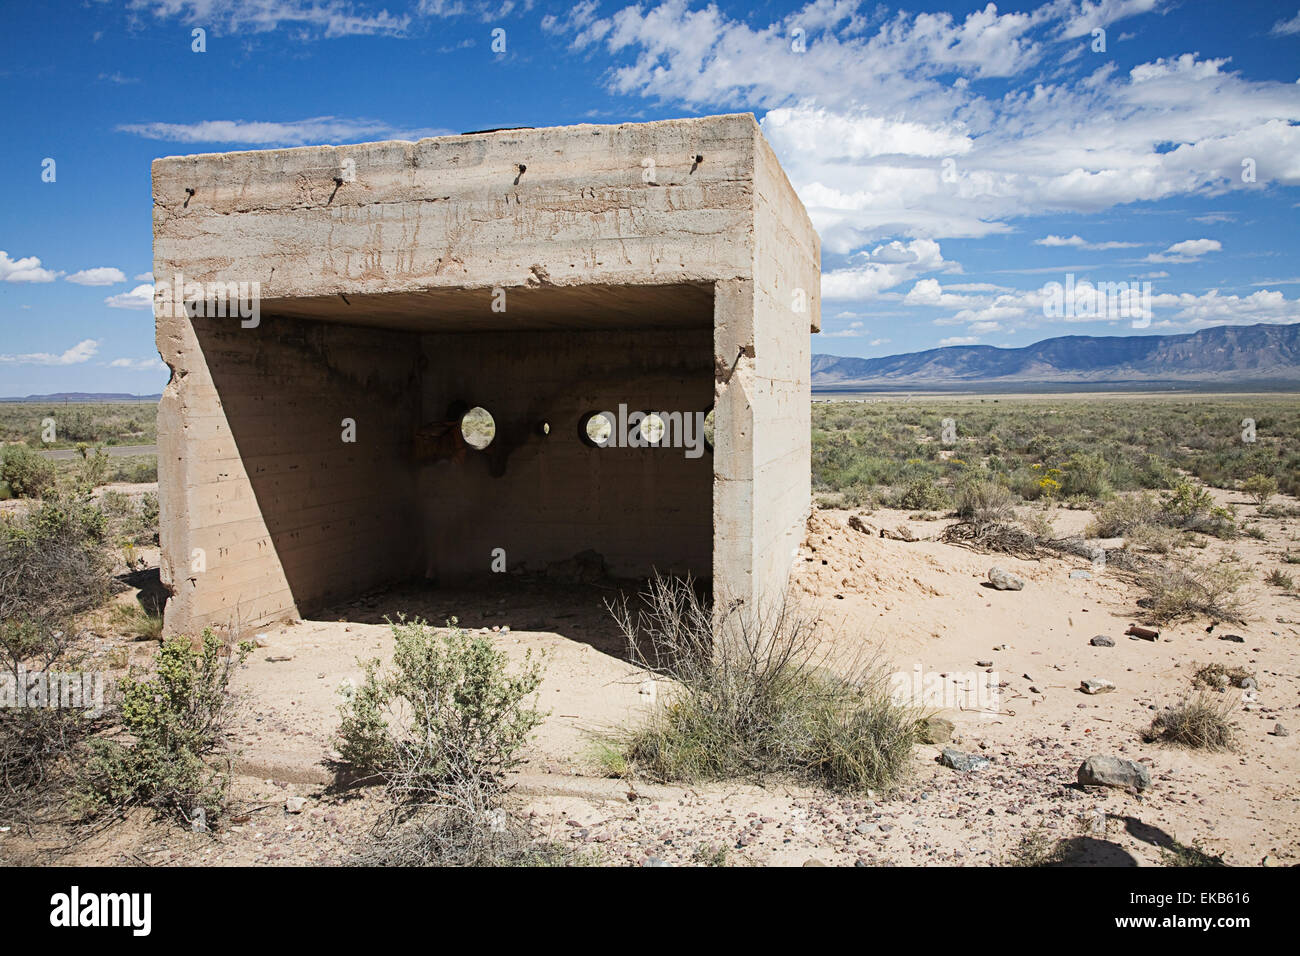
(85, 397)
(1255, 355)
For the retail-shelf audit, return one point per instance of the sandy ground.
(917, 605)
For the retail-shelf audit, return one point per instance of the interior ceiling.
(685, 305)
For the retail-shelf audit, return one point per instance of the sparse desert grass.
(137, 623)
(753, 697)
(1202, 722)
(1278, 578)
(1039, 847)
(132, 521)
(1179, 854)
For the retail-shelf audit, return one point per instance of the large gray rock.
(963, 762)
(1101, 640)
(1004, 580)
(1096, 685)
(1103, 771)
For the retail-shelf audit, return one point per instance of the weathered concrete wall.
(456, 212)
(544, 498)
(787, 304)
(414, 237)
(265, 509)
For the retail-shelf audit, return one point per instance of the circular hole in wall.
(596, 428)
(478, 427)
(652, 428)
(543, 428)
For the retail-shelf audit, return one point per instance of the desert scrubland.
(1022, 630)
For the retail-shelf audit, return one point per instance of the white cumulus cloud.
(141, 297)
(83, 351)
(28, 269)
(100, 275)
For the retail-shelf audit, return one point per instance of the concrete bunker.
(316, 446)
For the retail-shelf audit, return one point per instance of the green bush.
(1085, 474)
(1191, 507)
(27, 474)
(1123, 515)
(177, 719)
(440, 728)
(921, 495)
(448, 710)
(1260, 488)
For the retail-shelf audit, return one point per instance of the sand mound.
(844, 553)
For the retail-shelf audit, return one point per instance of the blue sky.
(955, 158)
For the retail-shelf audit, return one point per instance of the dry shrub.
(985, 503)
(1122, 515)
(1278, 578)
(1215, 676)
(52, 567)
(468, 827)
(996, 537)
(1158, 539)
(1178, 592)
(1203, 722)
(754, 696)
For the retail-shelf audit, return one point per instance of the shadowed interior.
(401, 500)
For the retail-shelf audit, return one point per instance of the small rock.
(1101, 640)
(935, 730)
(1249, 683)
(813, 862)
(1101, 771)
(295, 805)
(654, 861)
(962, 762)
(1235, 638)
(1096, 685)
(1280, 731)
(983, 663)
(1004, 580)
